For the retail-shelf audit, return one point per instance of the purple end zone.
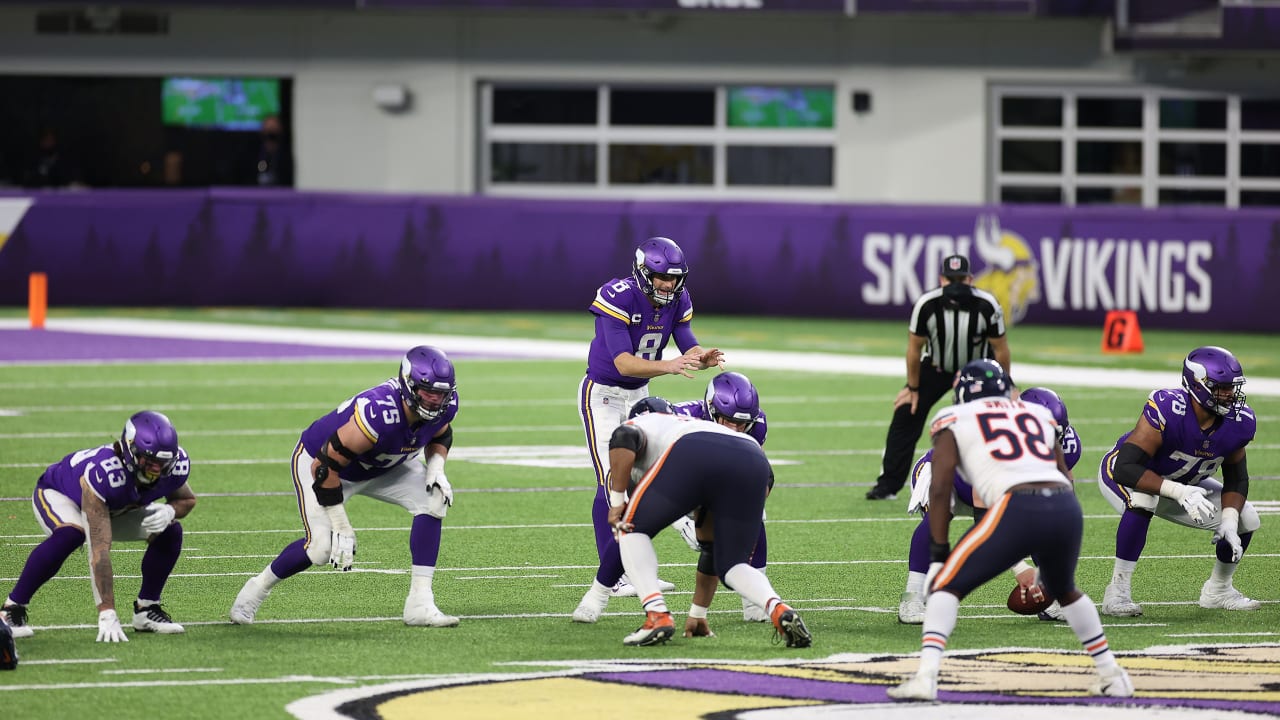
(22, 346)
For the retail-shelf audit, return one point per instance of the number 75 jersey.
(1002, 443)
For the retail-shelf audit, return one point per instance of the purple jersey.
(1188, 454)
(109, 480)
(1071, 447)
(627, 322)
(698, 409)
(379, 413)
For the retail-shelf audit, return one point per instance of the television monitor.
(219, 103)
(774, 106)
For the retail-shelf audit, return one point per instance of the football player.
(388, 443)
(108, 494)
(635, 318)
(911, 605)
(1165, 467)
(1008, 450)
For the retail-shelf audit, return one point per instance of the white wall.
(925, 139)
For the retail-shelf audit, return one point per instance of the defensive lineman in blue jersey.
(109, 493)
(1165, 467)
(635, 318)
(388, 443)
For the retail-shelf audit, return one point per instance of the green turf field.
(518, 551)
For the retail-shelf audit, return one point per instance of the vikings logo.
(1011, 272)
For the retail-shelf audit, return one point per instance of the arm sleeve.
(1235, 478)
(1131, 463)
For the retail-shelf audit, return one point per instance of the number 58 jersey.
(1002, 443)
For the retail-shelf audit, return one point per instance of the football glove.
(158, 517)
(1228, 529)
(438, 481)
(109, 629)
(342, 539)
(1192, 499)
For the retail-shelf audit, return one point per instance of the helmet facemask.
(427, 382)
(148, 447)
(660, 259)
(1213, 376)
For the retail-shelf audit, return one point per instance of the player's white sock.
(268, 578)
(1123, 572)
(915, 582)
(939, 621)
(751, 584)
(1222, 572)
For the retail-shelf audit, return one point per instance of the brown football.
(1029, 606)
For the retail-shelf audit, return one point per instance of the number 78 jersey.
(1002, 443)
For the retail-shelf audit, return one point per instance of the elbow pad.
(445, 438)
(1131, 463)
(626, 437)
(1235, 478)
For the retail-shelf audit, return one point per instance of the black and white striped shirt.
(957, 335)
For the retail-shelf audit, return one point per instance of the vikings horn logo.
(1010, 272)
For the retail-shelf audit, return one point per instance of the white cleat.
(688, 532)
(1224, 597)
(911, 608)
(428, 616)
(248, 601)
(752, 612)
(624, 588)
(153, 618)
(1115, 683)
(15, 616)
(920, 688)
(1117, 603)
(592, 606)
(1053, 613)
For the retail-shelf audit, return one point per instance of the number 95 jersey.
(1002, 443)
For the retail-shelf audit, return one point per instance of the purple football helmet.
(651, 404)
(659, 255)
(1047, 398)
(148, 446)
(981, 378)
(732, 397)
(1212, 376)
(427, 381)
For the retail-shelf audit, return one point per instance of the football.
(1036, 600)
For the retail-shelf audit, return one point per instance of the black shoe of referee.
(880, 493)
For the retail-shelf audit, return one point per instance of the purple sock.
(159, 560)
(600, 519)
(918, 557)
(1131, 536)
(610, 569)
(291, 560)
(760, 556)
(45, 561)
(1224, 548)
(424, 540)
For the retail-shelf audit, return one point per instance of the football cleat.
(1113, 683)
(787, 624)
(592, 606)
(248, 601)
(658, 628)
(8, 650)
(1053, 613)
(752, 612)
(16, 617)
(428, 616)
(1117, 603)
(624, 588)
(920, 688)
(1217, 596)
(153, 618)
(911, 608)
(688, 532)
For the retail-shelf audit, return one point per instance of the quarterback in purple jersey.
(388, 443)
(110, 493)
(635, 318)
(1165, 467)
(911, 605)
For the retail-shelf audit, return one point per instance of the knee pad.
(318, 550)
(1249, 520)
(435, 506)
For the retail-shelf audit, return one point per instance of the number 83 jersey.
(1002, 443)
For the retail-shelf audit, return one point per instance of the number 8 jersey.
(1002, 443)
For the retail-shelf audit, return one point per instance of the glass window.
(1184, 196)
(780, 107)
(1193, 114)
(542, 163)
(1031, 156)
(661, 164)
(1097, 157)
(1260, 115)
(1109, 112)
(781, 165)
(693, 107)
(533, 106)
(1012, 194)
(1255, 198)
(1108, 195)
(1259, 160)
(1195, 159)
(1031, 111)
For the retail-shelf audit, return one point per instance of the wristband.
(697, 612)
(617, 499)
(1020, 567)
(913, 389)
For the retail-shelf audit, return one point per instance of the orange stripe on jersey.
(941, 423)
(980, 534)
(644, 484)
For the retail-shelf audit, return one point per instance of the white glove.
(109, 629)
(929, 577)
(1228, 529)
(342, 539)
(689, 531)
(158, 517)
(436, 478)
(919, 501)
(1192, 499)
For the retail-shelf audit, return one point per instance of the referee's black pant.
(906, 428)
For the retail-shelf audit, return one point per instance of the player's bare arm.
(631, 365)
(624, 446)
(946, 455)
(98, 518)
(182, 500)
(1000, 346)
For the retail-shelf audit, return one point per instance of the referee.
(950, 325)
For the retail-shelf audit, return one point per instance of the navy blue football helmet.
(1213, 376)
(148, 446)
(664, 256)
(428, 369)
(981, 378)
(731, 396)
(651, 404)
(1047, 398)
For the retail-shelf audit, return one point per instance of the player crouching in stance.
(1008, 450)
(1165, 467)
(388, 443)
(663, 466)
(109, 493)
